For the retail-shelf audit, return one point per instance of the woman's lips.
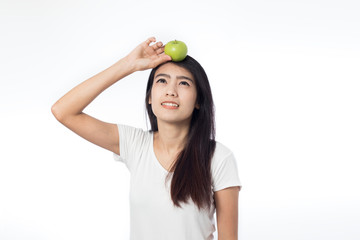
(170, 105)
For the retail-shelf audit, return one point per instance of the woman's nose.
(171, 91)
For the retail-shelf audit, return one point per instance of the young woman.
(179, 174)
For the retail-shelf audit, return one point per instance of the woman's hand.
(145, 56)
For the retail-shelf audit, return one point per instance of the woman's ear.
(149, 100)
(197, 106)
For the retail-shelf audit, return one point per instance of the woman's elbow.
(56, 111)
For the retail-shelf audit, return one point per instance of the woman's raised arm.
(69, 109)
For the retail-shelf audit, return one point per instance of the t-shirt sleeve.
(225, 171)
(131, 142)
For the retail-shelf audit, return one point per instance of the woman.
(179, 173)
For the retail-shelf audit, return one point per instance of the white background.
(285, 79)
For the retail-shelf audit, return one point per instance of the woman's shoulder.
(221, 151)
(224, 168)
(133, 140)
(134, 135)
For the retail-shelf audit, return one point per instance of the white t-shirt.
(152, 213)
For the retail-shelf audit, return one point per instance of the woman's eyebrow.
(162, 75)
(177, 77)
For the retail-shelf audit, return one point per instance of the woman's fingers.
(159, 50)
(161, 59)
(157, 45)
(151, 55)
(150, 40)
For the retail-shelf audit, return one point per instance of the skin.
(226, 203)
(173, 124)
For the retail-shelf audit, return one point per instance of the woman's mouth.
(170, 105)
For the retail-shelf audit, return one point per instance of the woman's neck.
(171, 138)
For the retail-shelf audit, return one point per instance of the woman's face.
(173, 94)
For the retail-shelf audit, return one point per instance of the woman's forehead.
(173, 69)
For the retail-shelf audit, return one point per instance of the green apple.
(177, 50)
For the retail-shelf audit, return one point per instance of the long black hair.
(192, 170)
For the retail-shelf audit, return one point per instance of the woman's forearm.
(74, 102)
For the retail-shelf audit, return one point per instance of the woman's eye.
(161, 80)
(184, 83)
